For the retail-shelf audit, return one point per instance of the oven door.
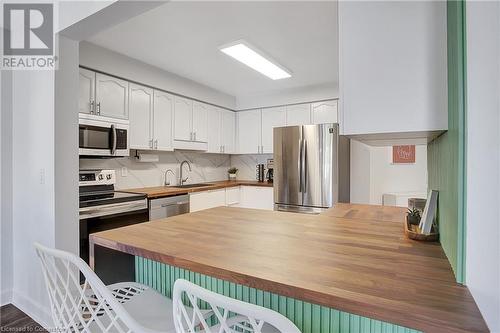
(103, 137)
(110, 265)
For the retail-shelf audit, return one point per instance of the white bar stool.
(232, 315)
(94, 307)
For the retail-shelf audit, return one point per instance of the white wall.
(99, 58)
(291, 96)
(483, 154)
(373, 174)
(6, 274)
(392, 71)
(33, 164)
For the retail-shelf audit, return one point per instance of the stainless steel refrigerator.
(311, 168)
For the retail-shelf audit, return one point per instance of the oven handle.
(113, 139)
(111, 209)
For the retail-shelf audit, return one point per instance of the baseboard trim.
(33, 309)
(5, 297)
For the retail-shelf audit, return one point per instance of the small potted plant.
(232, 173)
(413, 216)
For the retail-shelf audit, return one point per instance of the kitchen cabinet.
(228, 119)
(207, 199)
(271, 117)
(221, 131)
(163, 112)
(215, 129)
(141, 117)
(258, 197)
(393, 68)
(324, 112)
(86, 91)
(298, 114)
(111, 96)
(200, 122)
(233, 195)
(150, 118)
(183, 113)
(249, 131)
(190, 124)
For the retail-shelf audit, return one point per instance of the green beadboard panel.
(309, 318)
(446, 155)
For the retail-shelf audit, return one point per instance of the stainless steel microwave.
(102, 136)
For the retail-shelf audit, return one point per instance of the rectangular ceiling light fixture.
(254, 59)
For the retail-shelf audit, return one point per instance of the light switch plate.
(124, 172)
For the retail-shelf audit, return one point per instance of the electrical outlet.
(124, 172)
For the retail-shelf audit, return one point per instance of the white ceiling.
(184, 38)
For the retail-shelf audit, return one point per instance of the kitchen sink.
(193, 185)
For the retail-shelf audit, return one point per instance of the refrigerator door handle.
(301, 164)
(304, 166)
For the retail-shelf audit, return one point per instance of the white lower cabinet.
(207, 199)
(257, 197)
(233, 196)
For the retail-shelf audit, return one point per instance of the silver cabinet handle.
(91, 107)
(156, 144)
(150, 144)
(98, 108)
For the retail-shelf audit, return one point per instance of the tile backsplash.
(205, 168)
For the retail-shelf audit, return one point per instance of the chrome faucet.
(183, 180)
(166, 182)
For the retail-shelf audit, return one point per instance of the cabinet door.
(324, 112)
(299, 114)
(249, 131)
(86, 91)
(207, 199)
(183, 112)
(228, 131)
(257, 197)
(200, 121)
(232, 196)
(111, 96)
(271, 117)
(163, 107)
(214, 130)
(141, 110)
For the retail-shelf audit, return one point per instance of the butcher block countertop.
(353, 258)
(166, 191)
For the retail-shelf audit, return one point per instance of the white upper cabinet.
(183, 112)
(298, 114)
(393, 67)
(324, 112)
(249, 132)
(228, 131)
(271, 117)
(163, 107)
(200, 122)
(111, 96)
(214, 130)
(221, 131)
(140, 117)
(86, 91)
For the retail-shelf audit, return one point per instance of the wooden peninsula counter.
(350, 269)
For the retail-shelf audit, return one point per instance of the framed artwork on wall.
(403, 154)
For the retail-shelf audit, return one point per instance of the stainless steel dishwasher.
(170, 206)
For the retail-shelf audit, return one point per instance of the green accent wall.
(446, 155)
(309, 318)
